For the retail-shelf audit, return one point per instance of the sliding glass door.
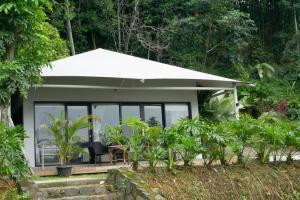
(74, 112)
(108, 114)
(153, 115)
(45, 148)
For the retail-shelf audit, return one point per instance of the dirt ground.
(255, 181)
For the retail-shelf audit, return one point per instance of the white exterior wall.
(95, 95)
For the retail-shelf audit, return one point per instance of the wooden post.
(236, 101)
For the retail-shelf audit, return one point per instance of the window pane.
(127, 112)
(175, 112)
(130, 111)
(153, 115)
(45, 147)
(74, 112)
(108, 115)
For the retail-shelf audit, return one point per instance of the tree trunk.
(119, 25)
(94, 41)
(4, 114)
(69, 27)
(11, 52)
(295, 20)
(5, 117)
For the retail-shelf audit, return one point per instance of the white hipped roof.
(101, 63)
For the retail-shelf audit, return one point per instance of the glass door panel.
(46, 150)
(153, 115)
(108, 115)
(127, 112)
(74, 112)
(175, 112)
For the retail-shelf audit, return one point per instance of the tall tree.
(25, 47)
(68, 17)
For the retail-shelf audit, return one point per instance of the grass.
(45, 178)
(255, 181)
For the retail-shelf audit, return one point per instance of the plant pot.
(64, 171)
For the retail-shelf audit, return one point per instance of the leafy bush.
(64, 132)
(291, 131)
(138, 130)
(188, 143)
(243, 129)
(12, 161)
(218, 144)
(271, 134)
(170, 138)
(13, 194)
(269, 139)
(153, 151)
(114, 136)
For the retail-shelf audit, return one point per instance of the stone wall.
(128, 186)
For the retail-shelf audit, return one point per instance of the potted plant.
(64, 132)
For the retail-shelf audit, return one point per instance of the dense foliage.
(247, 138)
(27, 43)
(256, 41)
(12, 162)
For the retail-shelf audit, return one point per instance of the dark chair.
(96, 149)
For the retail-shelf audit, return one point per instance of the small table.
(113, 150)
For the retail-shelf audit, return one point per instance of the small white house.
(112, 86)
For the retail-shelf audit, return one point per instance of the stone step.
(68, 182)
(70, 191)
(89, 197)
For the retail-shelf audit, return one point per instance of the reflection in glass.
(127, 112)
(175, 112)
(75, 112)
(130, 111)
(153, 115)
(108, 115)
(45, 147)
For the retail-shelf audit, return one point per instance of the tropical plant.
(115, 136)
(291, 131)
(268, 139)
(64, 132)
(153, 151)
(170, 138)
(188, 141)
(138, 130)
(218, 143)
(12, 161)
(220, 108)
(264, 70)
(242, 129)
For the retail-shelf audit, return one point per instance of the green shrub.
(243, 129)
(268, 139)
(291, 131)
(138, 130)
(218, 144)
(13, 194)
(12, 161)
(170, 138)
(188, 139)
(153, 151)
(65, 135)
(115, 136)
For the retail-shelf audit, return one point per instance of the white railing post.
(236, 101)
(43, 156)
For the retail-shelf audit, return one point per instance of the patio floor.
(78, 169)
